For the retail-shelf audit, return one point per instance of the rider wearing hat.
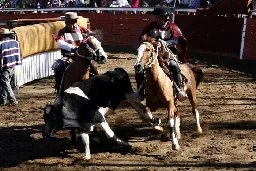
(70, 37)
(164, 29)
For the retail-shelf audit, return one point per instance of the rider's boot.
(176, 73)
(181, 94)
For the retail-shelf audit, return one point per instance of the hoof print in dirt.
(195, 135)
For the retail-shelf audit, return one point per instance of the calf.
(87, 103)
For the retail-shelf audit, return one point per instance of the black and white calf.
(86, 104)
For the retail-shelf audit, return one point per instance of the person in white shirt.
(123, 3)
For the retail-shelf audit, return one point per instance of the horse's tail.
(198, 73)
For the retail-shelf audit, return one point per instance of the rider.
(68, 39)
(70, 36)
(163, 28)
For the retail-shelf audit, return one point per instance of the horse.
(87, 103)
(81, 68)
(159, 87)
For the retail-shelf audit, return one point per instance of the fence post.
(242, 39)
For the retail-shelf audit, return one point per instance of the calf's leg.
(86, 141)
(110, 134)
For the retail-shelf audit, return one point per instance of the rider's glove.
(73, 50)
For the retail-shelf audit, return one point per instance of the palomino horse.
(159, 87)
(89, 49)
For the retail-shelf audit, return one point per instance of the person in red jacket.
(164, 29)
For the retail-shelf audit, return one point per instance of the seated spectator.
(135, 4)
(123, 3)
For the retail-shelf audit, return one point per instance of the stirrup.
(136, 96)
(182, 96)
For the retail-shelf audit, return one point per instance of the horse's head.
(52, 119)
(92, 46)
(161, 45)
(147, 55)
(149, 39)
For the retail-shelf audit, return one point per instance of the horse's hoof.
(199, 131)
(87, 157)
(175, 146)
(159, 128)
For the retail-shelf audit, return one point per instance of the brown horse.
(159, 87)
(89, 49)
(80, 69)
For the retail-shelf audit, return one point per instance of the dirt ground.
(227, 104)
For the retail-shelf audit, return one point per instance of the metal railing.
(88, 9)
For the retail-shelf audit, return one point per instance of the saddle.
(165, 68)
(183, 79)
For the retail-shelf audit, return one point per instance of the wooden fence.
(249, 51)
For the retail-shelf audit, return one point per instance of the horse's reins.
(93, 53)
(167, 50)
(153, 57)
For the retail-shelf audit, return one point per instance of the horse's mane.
(148, 39)
(97, 34)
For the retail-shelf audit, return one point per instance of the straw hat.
(5, 31)
(70, 16)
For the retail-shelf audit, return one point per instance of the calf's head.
(52, 119)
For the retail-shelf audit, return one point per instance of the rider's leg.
(176, 73)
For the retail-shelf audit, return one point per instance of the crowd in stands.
(105, 3)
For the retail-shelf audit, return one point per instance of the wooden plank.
(102, 26)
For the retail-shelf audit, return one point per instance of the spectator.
(135, 4)
(196, 4)
(79, 2)
(14, 3)
(203, 3)
(10, 57)
(123, 3)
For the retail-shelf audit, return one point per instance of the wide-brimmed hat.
(162, 10)
(5, 31)
(70, 16)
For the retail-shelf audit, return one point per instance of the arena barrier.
(230, 36)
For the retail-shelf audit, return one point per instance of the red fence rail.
(211, 33)
(250, 40)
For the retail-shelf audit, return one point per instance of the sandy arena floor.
(227, 104)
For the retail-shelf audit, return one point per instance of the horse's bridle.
(153, 57)
(91, 50)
